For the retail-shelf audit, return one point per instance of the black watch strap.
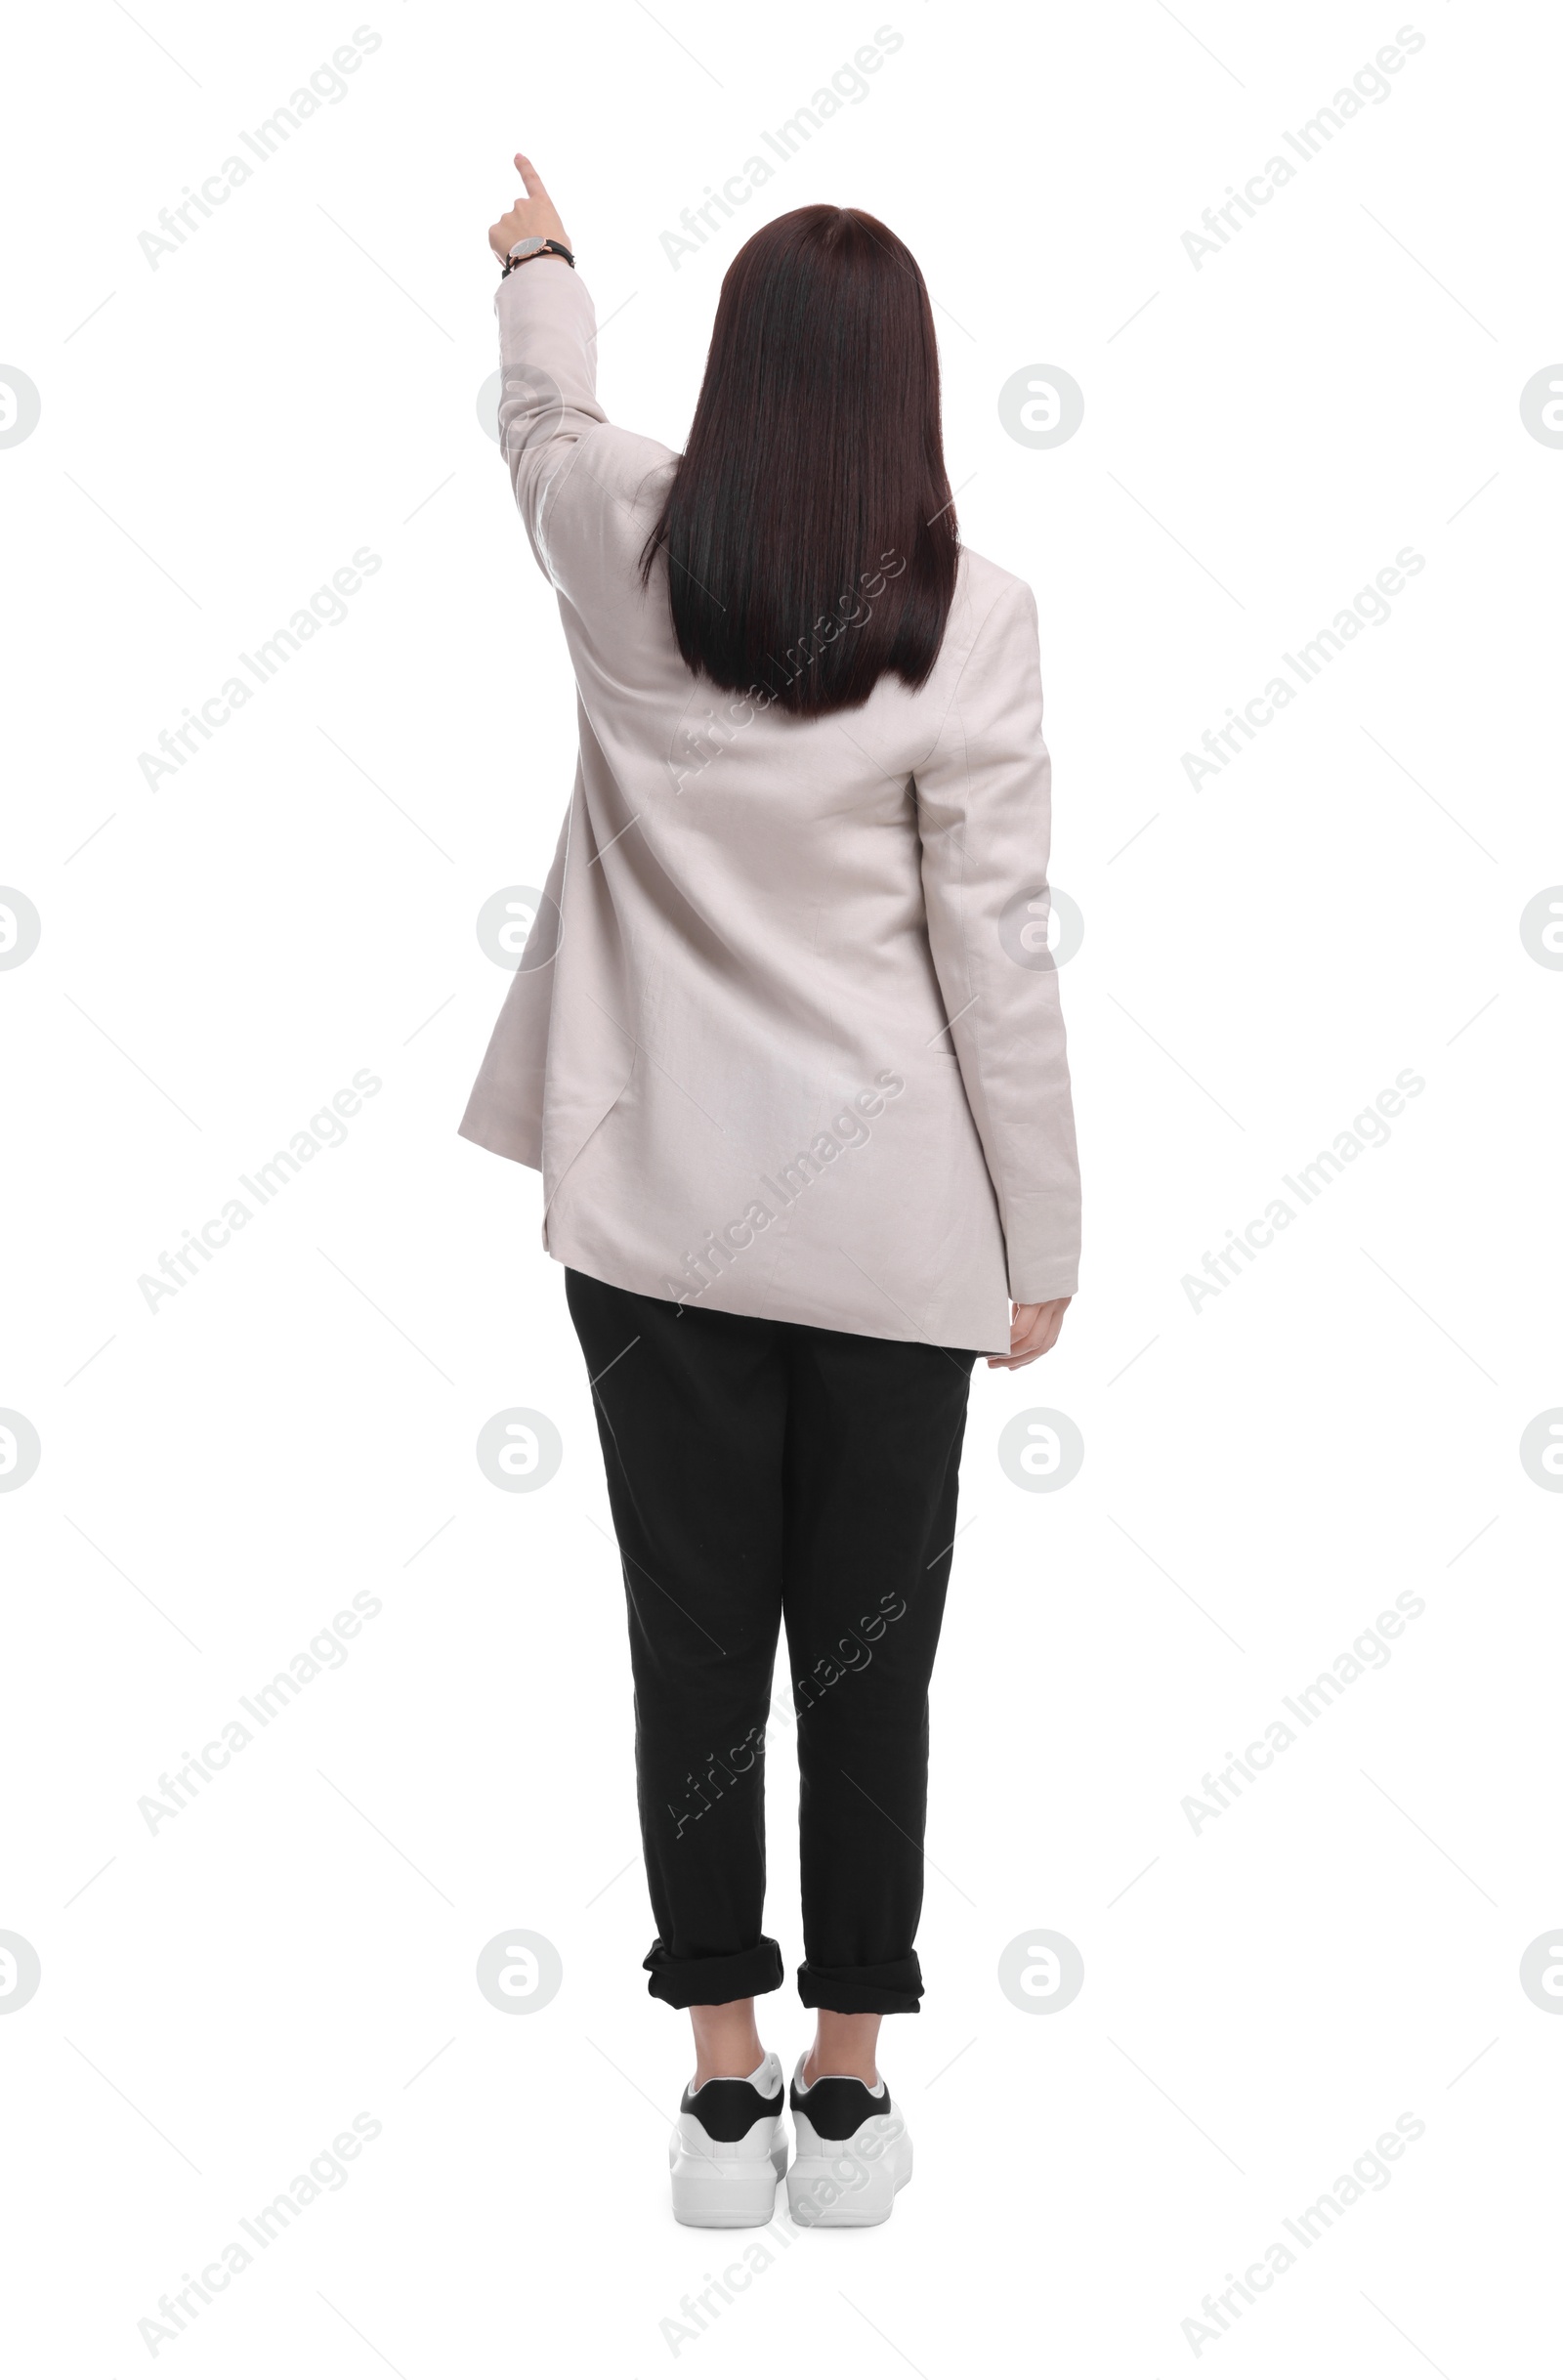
(554, 247)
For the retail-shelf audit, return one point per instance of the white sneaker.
(854, 2151)
(728, 2151)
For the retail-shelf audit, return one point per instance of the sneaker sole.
(725, 2194)
(832, 2187)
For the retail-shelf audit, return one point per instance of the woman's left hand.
(533, 217)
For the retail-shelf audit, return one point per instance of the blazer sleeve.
(548, 385)
(983, 816)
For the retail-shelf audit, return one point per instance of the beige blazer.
(785, 1038)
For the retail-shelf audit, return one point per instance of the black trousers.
(759, 1473)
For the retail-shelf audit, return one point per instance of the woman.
(786, 1048)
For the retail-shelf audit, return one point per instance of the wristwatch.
(533, 246)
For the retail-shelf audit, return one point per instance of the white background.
(1262, 956)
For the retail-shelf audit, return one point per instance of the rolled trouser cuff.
(891, 1990)
(736, 1975)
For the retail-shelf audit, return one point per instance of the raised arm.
(547, 355)
(983, 816)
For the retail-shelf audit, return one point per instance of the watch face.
(528, 247)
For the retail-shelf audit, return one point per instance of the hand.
(531, 218)
(1032, 1330)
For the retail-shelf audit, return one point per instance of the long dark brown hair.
(809, 530)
